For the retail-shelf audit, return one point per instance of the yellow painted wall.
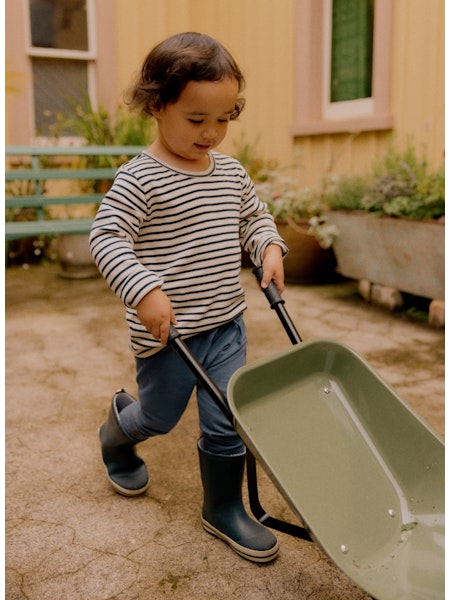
(417, 100)
(259, 34)
(418, 74)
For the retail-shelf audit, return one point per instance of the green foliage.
(285, 199)
(399, 185)
(250, 158)
(101, 128)
(344, 191)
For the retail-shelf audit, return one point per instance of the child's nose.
(209, 133)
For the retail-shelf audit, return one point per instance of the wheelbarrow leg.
(259, 512)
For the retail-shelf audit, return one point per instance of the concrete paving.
(70, 536)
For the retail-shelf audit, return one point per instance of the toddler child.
(167, 239)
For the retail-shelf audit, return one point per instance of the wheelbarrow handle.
(277, 304)
(180, 347)
(271, 291)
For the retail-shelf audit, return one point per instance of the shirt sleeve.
(112, 238)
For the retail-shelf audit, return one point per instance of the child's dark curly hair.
(177, 60)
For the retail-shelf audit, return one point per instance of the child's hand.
(156, 314)
(273, 267)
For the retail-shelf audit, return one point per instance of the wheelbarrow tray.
(355, 463)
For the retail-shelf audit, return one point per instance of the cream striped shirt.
(181, 231)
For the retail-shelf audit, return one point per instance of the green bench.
(29, 169)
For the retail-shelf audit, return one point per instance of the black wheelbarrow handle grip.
(277, 304)
(271, 291)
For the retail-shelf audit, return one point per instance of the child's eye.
(196, 121)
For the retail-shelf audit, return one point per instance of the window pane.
(59, 24)
(351, 54)
(58, 86)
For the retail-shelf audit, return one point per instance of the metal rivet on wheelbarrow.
(326, 390)
(344, 549)
(391, 512)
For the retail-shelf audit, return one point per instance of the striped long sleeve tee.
(182, 232)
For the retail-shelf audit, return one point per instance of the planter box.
(400, 253)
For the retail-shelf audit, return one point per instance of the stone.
(365, 289)
(436, 314)
(387, 297)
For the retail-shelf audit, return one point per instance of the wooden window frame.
(311, 45)
(89, 54)
(342, 109)
(19, 101)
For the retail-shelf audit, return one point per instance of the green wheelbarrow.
(357, 466)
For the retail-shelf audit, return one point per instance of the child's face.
(198, 121)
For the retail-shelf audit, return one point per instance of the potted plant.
(298, 215)
(390, 224)
(310, 258)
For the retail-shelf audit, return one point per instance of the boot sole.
(126, 492)
(258, 556)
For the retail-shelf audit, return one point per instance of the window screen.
(59, 85)
(351, 50)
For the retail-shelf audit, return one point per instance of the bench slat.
(23, 229)
(43, 174)
(73, 150)
(39, 200)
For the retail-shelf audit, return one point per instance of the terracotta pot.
(307, 262)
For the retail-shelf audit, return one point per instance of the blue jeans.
(165, 385)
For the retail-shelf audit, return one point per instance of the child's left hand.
(273, 267)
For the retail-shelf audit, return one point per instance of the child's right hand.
(155, 312)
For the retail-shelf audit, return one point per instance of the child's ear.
(155, 111)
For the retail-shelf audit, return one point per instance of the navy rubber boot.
(223, 513)
(126, 471)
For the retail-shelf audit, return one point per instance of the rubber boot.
(126, 471)
(223, 512)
